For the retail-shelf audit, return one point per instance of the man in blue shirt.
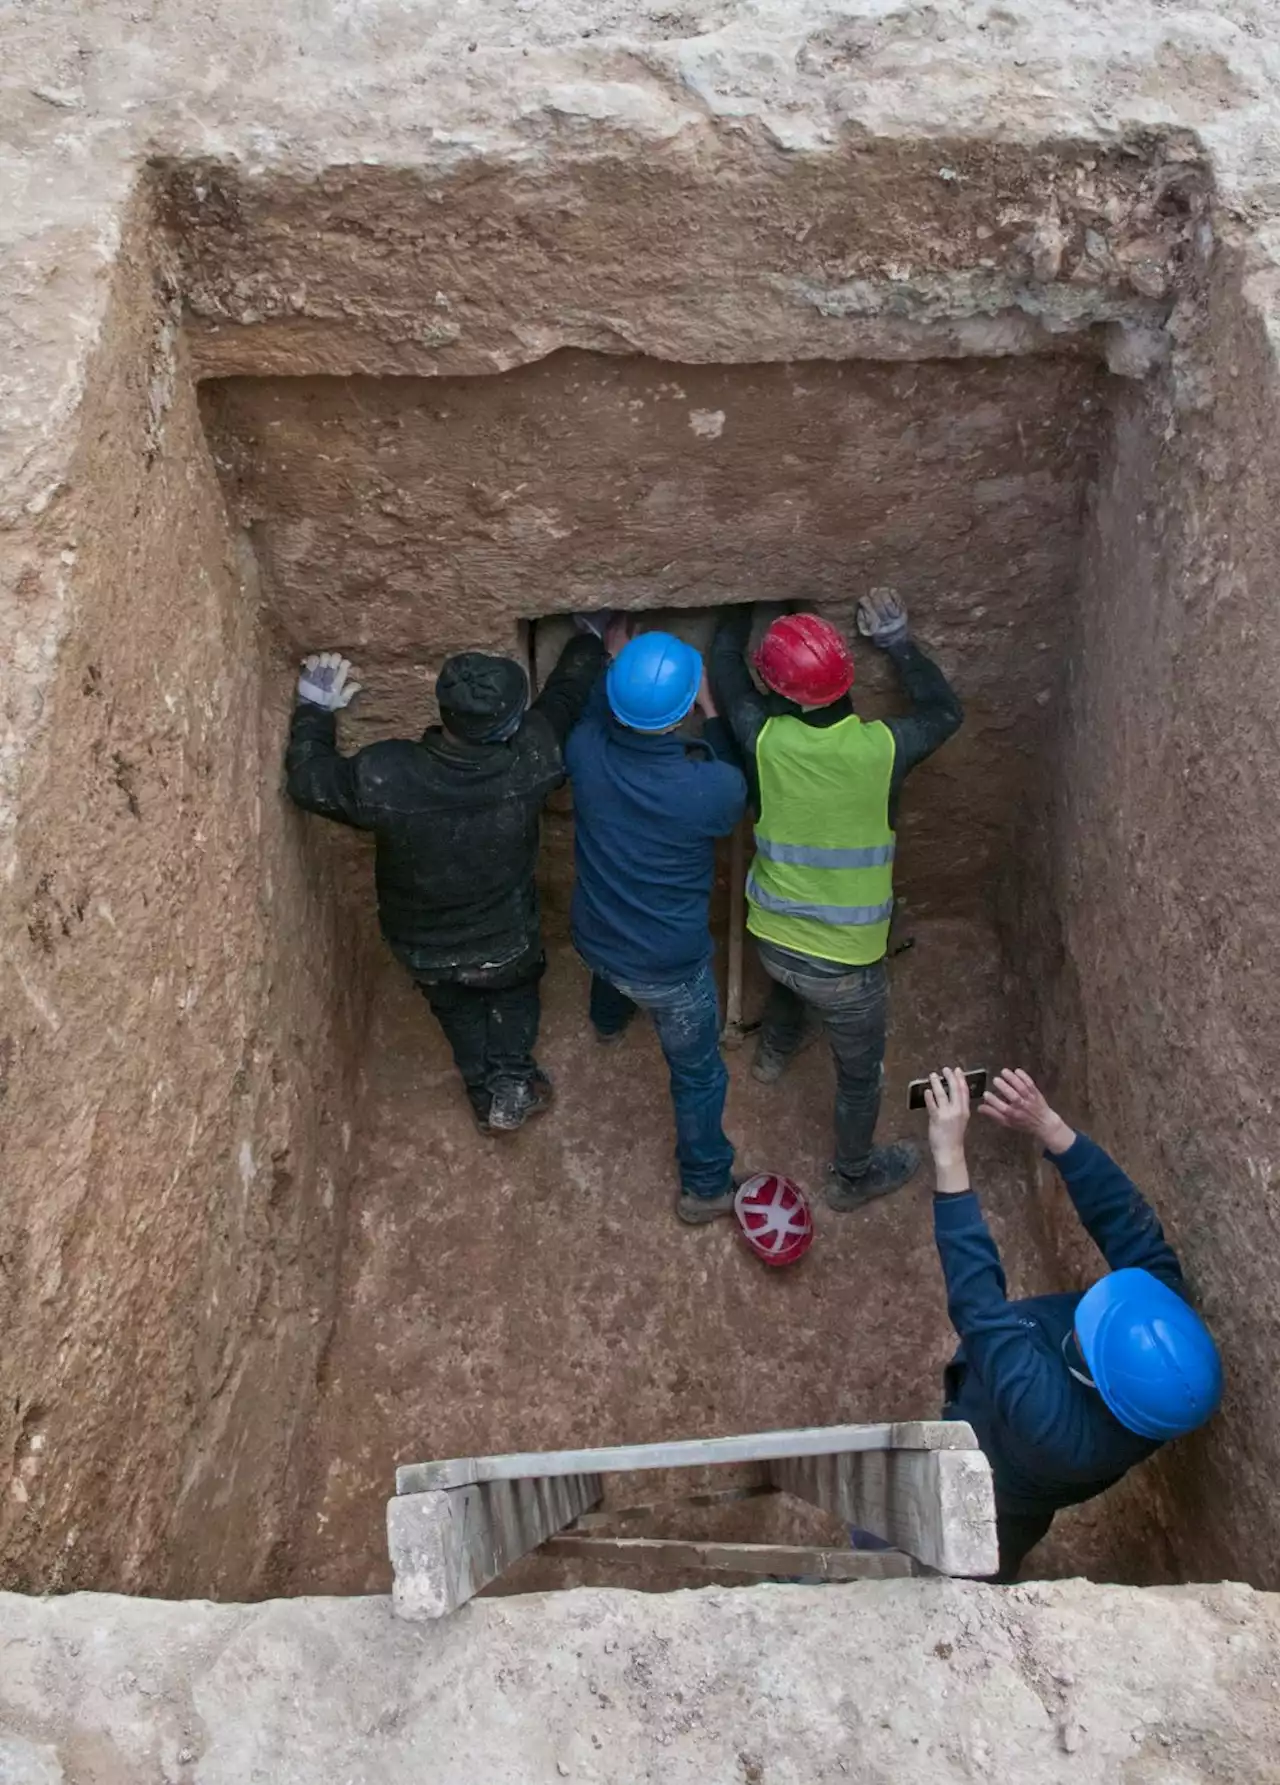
(1065, 1392)
(649, 804)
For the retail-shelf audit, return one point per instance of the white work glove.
(323, 682)
(883, 619)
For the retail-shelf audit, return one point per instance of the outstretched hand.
(618, 633)
(324, 681)
(947, 1101)
(705, 700)
(1015, 1101)
(882, 618)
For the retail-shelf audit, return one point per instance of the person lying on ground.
(1065, 1392)
(649, 802)
(455, 816)
(820, 891)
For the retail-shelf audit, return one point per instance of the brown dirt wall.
(172, 1087)
(1150, 932)
(400, 519)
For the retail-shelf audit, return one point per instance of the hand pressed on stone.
(324, 683)
(704, 700)
(882, 618)
(618, 633)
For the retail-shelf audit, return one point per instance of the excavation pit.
(264, 1255)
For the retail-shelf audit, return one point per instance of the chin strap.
(1080, 1375)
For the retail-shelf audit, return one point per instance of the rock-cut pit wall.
(176, 1071)
(175, 1085)
(1154, 924)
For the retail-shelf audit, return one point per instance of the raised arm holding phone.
(1065, 1392)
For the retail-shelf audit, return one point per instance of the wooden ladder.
(922, 1486)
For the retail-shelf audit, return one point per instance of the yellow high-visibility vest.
(822, 880)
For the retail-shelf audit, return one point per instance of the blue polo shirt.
(647, 812)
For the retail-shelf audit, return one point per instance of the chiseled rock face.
(921, 1683)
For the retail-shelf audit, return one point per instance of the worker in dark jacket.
(820, 892)
(649, 804)
(1064, 1392)
(455, 818)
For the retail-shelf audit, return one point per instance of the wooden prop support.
(733, 1033)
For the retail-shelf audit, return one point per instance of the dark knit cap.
(481, 696)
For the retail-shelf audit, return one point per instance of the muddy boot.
(770, 1062)
(515, 1100)
(611, 1037)
(694, 1210)
(890, 1168)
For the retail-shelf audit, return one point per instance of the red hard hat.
(774, 1218)
(805, 659)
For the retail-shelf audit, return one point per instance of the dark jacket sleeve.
(564, 699)
(720, 790)
(719, 739)
(741, 704)
(935, 713)
(1028, 1391)
(1116, 1216)
(317, 777)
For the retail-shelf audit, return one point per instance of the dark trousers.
(1018, 1534)
(490, 1019)
(853, 1003)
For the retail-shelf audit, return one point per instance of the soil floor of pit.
(537, 1292)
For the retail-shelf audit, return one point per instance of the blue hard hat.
(1151, 1356)
(653, 681)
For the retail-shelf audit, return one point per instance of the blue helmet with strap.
(1151, 1357)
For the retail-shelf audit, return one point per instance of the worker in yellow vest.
(820, 891)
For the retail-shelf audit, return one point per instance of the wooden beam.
(689, 1453)
(736, 1558)
(937, 1505)
(447, 1544)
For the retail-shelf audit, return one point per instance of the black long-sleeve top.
(456, 824)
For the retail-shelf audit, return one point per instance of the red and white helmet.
(805, 659)
(774, 1218)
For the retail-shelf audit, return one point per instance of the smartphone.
(977, 1081)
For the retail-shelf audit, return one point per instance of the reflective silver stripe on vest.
(800, 855)
(834, 914)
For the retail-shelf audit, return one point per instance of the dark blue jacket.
(1050, 1439)
(647, 812)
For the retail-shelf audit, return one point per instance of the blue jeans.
(853, 1003)
(687, 1018)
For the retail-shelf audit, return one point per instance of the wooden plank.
(937, 1505)
(732, 1035)
(752, 1447)
(736, 1558)
(447, 1544)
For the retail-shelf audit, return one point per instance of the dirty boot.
(770, 1062)
(890, 1168)
(515, 1100)
(695, 1210)
(611, 1037)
